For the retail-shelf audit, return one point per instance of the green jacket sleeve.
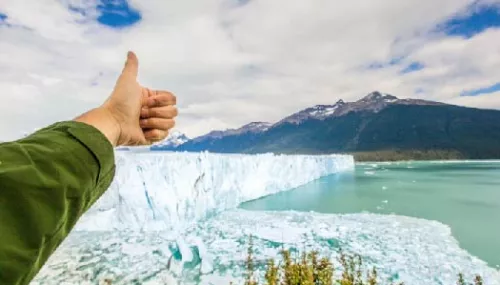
(47, 181)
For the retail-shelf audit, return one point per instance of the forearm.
(47, 181)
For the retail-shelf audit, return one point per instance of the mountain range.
(377, 127)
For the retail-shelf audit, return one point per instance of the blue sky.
(477, 18)
(414, 66)
(3, 17)
(117, 14)
(235, 61)
(480, 91)
(475, 21)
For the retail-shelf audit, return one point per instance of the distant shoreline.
(406, 155)
(420, 155)
(366, 156)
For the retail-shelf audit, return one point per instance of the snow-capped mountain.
(317, 112)
(377, 101)
(377, 122)
(245, 133)
(174, 139)
(373, 102)
(252, 128)
(255, 127)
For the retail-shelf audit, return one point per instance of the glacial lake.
(463, 195)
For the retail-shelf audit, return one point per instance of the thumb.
(131, 67)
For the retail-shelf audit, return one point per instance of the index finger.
(161, 99)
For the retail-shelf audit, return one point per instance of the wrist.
(102, 119)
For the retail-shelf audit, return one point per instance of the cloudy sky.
(231, 62)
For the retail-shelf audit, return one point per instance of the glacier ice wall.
(165, 190)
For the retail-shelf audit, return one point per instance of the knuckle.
(152, 134)
(157, 101)
(153, 112)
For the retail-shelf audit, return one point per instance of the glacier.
(170, 190)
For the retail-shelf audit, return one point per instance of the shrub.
(311, 269)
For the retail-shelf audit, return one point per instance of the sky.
(231, 62)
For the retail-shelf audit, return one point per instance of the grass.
(312, 269)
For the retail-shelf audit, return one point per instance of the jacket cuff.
(95, 141)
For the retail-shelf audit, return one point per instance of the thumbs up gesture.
(133, 115)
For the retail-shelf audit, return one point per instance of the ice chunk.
(186, 253)
(206, 258)
(416, 251)
(163, 190)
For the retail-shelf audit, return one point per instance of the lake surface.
(462, 195)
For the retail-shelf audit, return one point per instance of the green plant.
(249, 264)
(461, 280)
(478, 280)
(311, 269)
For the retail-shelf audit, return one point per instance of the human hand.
(133, 115)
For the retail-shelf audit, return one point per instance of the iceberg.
(155, 191)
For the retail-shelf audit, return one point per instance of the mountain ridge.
(377, 123)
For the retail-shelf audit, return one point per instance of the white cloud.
(487, 101)
(230, 64)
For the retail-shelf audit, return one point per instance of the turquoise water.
(463, 195)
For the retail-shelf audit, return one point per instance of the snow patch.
(174, 139)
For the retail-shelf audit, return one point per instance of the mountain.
(373, 102)
(173, 140)
(318, 112)
(255, 127)
(233, 140)
(376, 127)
